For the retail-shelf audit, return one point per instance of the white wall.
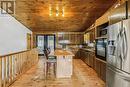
(12, 35)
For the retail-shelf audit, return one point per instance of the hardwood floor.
(83, 76)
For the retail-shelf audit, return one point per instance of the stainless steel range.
(118, 55)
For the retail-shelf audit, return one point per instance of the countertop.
(88, 49)
(62, 53)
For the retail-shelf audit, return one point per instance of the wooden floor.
(83, 76)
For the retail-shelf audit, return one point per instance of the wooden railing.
(14, 65)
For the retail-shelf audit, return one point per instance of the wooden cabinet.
(91, 59)
(89, 36)
(92, 35)
(97, 67)
(77, 55)
(72, 38)
(87, 56)
(100, 67)
(103, 71)
(64, 66)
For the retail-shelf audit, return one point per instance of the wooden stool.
(50, 65)
(50, 61)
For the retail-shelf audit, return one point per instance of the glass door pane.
(40, 44)
(51, 42)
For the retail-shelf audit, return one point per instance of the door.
(113, 48)
(45, 41)
(126, 51)
(97, 67)
(51, 42)
(118, 46)
(40, 44)
(117, 78)
(103, 71)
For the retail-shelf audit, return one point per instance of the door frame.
(45, 39)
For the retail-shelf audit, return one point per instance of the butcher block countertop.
(62, 53)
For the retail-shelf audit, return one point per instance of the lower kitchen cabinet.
(103, 71)
(77, 54)
(97, 67)
(91, 59)
(87, 56)
(100, 67)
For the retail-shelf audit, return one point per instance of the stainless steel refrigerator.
(118, 55)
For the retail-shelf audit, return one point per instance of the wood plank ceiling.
(78, 14)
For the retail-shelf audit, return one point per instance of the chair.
(49, 61)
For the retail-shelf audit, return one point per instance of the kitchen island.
(64, 68)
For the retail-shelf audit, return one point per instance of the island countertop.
(64, 64)
(62, 53)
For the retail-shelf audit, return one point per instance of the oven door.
(101, 48)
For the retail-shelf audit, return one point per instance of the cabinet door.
(77, 55)
(88, 58)
(81, 54)
(97, 67)
(91, 60)
(103, 71)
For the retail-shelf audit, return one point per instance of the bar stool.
(50, 61)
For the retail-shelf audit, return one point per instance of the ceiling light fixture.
(57, 10)
(63, 10)
(50, 10)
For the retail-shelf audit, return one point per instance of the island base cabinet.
(64, 67)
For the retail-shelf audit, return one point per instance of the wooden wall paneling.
(12, 65)
(15, 67)
(18, 67)
(0, 71)
(18, 64)
(5, 70)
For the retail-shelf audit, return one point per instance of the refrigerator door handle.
(125, 45)
(122, 46)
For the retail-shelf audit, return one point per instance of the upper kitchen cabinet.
(89, 35)
(118, 13)
(71, 38)
(103, 19)
(128, 8)
(86, 37)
